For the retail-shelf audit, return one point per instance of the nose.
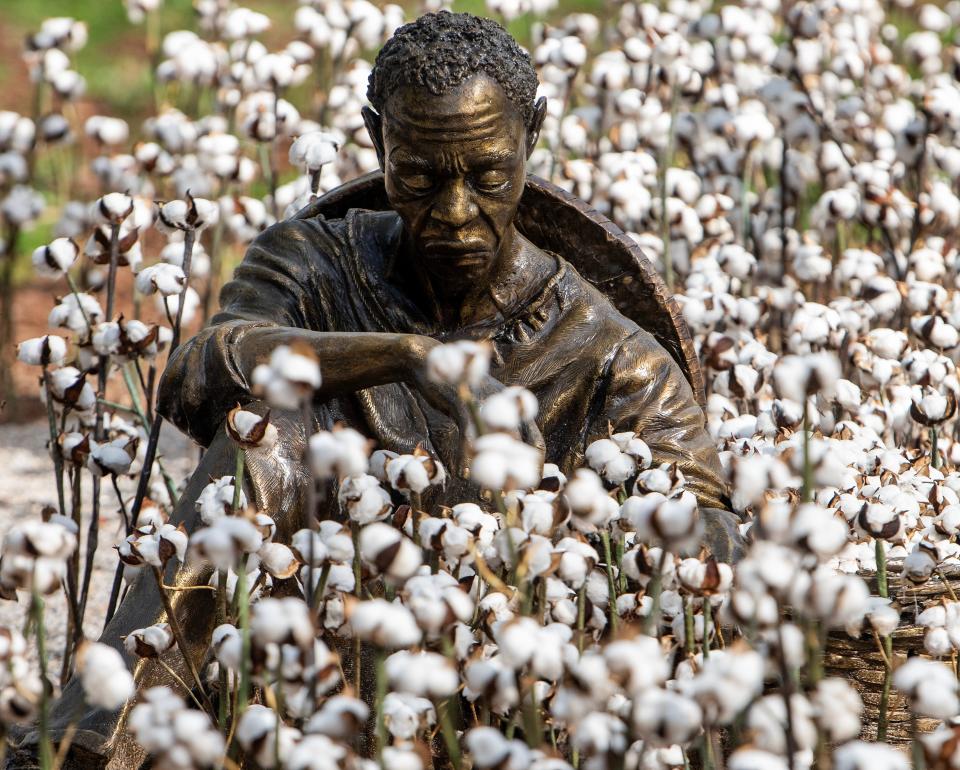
(454, 205)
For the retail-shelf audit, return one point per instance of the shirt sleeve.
(646, 392)
(274, 286)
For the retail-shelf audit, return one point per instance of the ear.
(374, 123)
(536, 123)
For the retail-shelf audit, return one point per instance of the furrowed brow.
(403, 158)
(495, 158)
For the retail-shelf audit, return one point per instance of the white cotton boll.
(461, 362)
(55, 258)
(502, 462)
(665, 718)
(934, 18)
(883, 617)
(227, 645)
(106, 682)
(314, 149)
(488, 746)
(225, 540)
(22, 205)
(113, 458)
(340, 717)
(600, 733)
(386, 551)
(618, 469)
(364, 499)
(242, 23)
(767, 719)
(107, 130)
(386, 624)
(194, 214)
(508, 409)
(260, 737)
(746, 758)
(149, 642)
(289, 378)
(837, 707)
(341, 452)
(163, 278)
(216, 499)
(405, 715)
(42, 351)
(863, 755)
(936, 641)
(112, 208)
(810, 264)
(282, 621)
(424, 674)
(848, 396)
(278, 560)
(929, 687)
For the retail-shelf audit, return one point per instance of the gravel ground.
(27, 485)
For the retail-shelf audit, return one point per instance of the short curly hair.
(439, 51)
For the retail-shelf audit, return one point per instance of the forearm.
(349, 361)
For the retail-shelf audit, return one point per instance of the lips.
(447, 255)
(438, 248)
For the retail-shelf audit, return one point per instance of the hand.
(442, 397)
(446, 399)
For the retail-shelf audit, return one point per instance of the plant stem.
(706, 750)
(310, 504)
(46, 749)
(688, 625)
(611, 580)
(357, 647)
(321, 585)
(181, 639)
(806, 493)
(449, 732)
(581, 613)
(223, 698)
(238, 478)
(189, 236)
(881, 556)
(179, 681)
(707, 626)
(916, 748)
(664, 217)
(243, 620)
(651, 624)
(55, 452)
(381, 693)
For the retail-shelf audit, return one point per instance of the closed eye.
(418, 183)
(490, 181)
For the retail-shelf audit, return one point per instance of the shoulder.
(588, 308)
(316, 239)
(631, 351)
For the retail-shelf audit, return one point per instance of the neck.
(521, 268)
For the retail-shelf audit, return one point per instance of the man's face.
(454, 167)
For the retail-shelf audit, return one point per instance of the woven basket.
(860, 662)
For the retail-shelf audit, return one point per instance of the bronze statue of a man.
(454, 119)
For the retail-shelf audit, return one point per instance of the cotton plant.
(790, 173)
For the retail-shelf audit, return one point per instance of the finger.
(533, 436)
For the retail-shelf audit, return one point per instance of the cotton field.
(790, 169)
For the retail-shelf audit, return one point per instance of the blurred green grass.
(114, 59)
(115, 63)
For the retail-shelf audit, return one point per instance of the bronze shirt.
(592, 370)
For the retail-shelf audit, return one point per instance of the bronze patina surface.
(451, 241)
